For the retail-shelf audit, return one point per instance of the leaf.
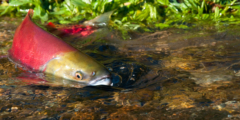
(144, 14)
(60, 12)
(217, 13)
(81, 4)
(65, 22)
(173, 9)
(117, 21)
(38, 11)
(153, 12)
(183, 26)
(162, 25)
(7, 10)
(164, 2)
(4, 3)
(205, 16)
(19, 2)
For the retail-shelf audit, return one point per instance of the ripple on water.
(173, 74)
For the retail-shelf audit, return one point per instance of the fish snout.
(103, 80)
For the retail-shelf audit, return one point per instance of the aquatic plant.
(146, 15)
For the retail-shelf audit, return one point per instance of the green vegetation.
(145, 15)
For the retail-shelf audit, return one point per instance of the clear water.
(171, 74)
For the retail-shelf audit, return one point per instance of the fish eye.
(93, 73)
(78, 76)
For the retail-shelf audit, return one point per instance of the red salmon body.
(77, 30)
(40, 51)
(33, 47)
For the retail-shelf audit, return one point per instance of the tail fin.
(101, 20)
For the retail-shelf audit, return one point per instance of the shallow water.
(170, 74)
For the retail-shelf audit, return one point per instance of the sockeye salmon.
(38, 50)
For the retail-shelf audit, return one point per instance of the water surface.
(169, 74)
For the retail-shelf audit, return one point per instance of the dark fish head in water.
(38, 50)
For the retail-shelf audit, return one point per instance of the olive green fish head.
(79, 67)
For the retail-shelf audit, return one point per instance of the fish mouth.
(105, 80)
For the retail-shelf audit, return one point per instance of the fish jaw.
(105, 80)
(70, 64)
